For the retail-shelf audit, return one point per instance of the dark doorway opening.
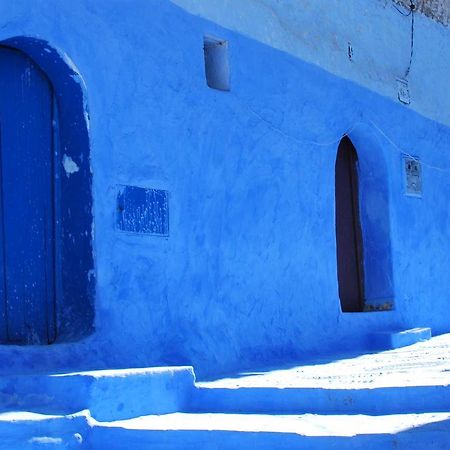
(349, 243)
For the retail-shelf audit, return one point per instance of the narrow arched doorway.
(349, 243)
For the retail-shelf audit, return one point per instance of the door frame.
(74, 259)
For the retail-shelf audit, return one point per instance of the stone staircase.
(397, 399)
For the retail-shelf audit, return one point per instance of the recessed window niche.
(217, 68)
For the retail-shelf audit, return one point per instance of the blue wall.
(247, 276)
(321, 31)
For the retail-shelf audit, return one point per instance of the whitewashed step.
(108, 394)
(398, 338)
(406, 380)
(31, 431)
(275, 432)
(181, 431)
(393, 400)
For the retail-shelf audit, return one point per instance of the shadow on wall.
(375, 217)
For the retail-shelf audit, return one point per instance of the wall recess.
(412, 176)
(143, 210)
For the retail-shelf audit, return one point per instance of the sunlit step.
(256, 431)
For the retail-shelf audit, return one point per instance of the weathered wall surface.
(320, 32)
(248, 276)
(438, 10)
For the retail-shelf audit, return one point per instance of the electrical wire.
(411, 55)
(405, 153)
(402, 12)
(338, 138)
(412, 10)
(295, 139)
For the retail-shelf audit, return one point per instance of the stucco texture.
(438, 10)
(247, 276)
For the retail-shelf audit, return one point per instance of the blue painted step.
(398, 339)
(108, 394)
(30, 431)
(25, 431)
(406, 380)
(377, 401)
(266, 432)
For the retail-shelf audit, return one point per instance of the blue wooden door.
(27, 292)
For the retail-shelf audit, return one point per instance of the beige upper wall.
(438, 10)
(320, 31)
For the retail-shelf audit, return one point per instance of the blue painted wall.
(247, 276)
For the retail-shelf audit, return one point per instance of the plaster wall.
(438, 10)
(320, 32)
(248, 275)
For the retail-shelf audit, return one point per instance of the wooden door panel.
(348, 229)
(27, 198)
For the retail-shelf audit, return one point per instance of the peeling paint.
(87, 119)
(70, 166)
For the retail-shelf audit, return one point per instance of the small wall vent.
(413, 176)
(217, 68)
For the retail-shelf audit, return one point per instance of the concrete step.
(398, 338)
(181, 431)
(322, 401)
(412, 379)
(108, 394)
(25, 430)
(406, 380)
(272, 432)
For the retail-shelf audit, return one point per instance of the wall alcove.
(46, 261)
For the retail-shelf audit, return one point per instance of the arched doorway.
(46, 264)
(349, 243)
